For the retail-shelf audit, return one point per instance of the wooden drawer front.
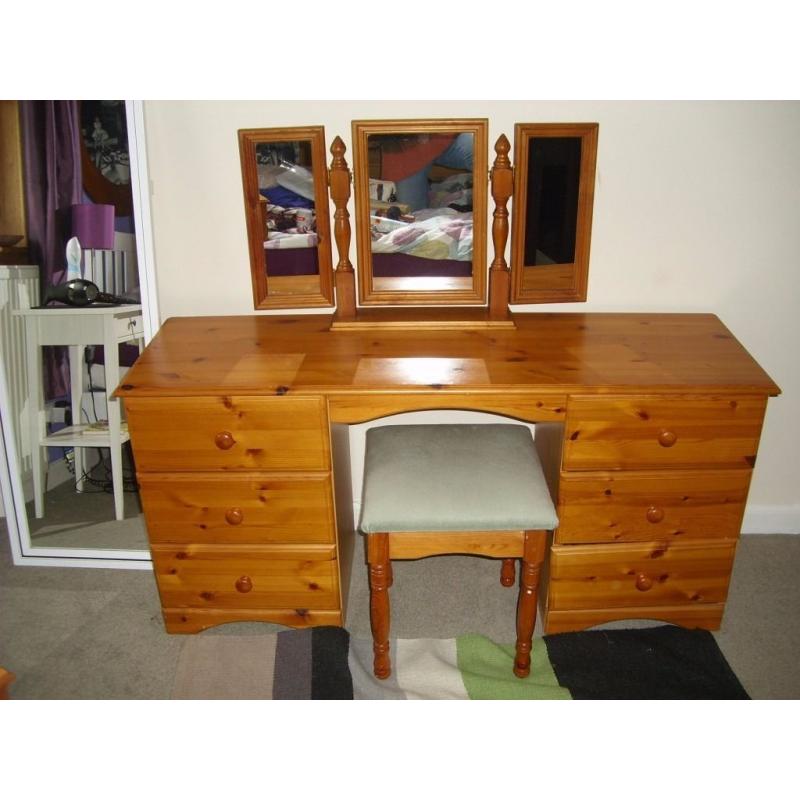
(204, 576)
(647, 574)
(615, 432)
(231, 433)
(641, 506)
(237, 510)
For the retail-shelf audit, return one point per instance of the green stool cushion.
(453, 477)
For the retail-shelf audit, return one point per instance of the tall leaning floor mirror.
(75, 529)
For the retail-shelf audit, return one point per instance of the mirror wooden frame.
(368, 294)
(552, 283)
(249, 138)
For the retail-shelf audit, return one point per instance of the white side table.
(108, 326)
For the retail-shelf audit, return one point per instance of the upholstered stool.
(454, 489)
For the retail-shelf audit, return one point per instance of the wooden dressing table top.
(552, 354)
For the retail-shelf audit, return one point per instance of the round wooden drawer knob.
(643, 583)
(244, 584)
(234, 516)
(655, 514)
(224, 440)
(667, 438)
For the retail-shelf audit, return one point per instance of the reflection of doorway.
(83, 543)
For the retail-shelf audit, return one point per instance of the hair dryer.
(80, 292)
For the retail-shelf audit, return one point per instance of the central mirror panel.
(421, 195)
(286, 202)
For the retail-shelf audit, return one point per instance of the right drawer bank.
(651, 497)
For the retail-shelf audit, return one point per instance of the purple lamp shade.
(93, 224)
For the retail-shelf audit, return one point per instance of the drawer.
(129, 327)
(209, 509)
(615, 432)
(646, 574)
(641, 506)
(228, 433)
(258, 576)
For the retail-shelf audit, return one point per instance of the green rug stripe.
(486, 669)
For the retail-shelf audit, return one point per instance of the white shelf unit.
(108, 326)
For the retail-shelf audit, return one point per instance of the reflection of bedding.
(289, 191)
(455, 190)
(436, 233)
(290, 228)
(286, 240)
(280, 196)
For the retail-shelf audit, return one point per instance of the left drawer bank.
(238, 500)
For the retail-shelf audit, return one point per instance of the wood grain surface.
(575, 353)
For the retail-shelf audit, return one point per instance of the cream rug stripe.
(428, 668)
(226, 668)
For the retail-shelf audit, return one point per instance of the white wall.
(696, 209)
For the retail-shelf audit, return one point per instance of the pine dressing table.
(649, 423)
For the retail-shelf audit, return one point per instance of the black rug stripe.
(292, 673)
(661, 663)
(330, 672)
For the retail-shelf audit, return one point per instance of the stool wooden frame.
(382, 548)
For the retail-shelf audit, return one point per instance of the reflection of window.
(554, 170)
(105, 136)
(277, 152)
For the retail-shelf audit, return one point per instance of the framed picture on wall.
(104, 154)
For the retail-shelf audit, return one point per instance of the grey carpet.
(87, 519)
(98, 633)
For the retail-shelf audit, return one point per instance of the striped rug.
(663, 662)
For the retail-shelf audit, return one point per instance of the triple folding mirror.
(421, 199)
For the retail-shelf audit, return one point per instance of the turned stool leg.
(508, 572)
(380, 573)
(526, 609)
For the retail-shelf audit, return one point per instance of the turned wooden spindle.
(339, 178)
(502, 177)
(508, 572)
(380, 579)
(535, 544)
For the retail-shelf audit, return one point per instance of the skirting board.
(771, 519)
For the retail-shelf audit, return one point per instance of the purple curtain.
(51, 140)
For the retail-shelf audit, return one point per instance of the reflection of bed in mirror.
(420, 213)
(288, 215)
(421, 224)
(284, 181)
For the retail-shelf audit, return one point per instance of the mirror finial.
(502, 147)
(339, 179)
(502, 189)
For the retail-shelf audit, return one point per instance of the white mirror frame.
(22, 551)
